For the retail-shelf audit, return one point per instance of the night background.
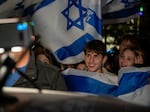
(139, 27)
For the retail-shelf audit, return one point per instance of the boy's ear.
(33, 38)
(104, 60)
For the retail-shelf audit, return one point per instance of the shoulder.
(46, 66)
(107, 72)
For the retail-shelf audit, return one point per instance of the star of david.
(77, 22)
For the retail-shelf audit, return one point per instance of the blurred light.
(132, 21)
(3, 71)
(141, 13)
(110, 51)
(141, 9)
(16, 49)
(110, 39)
(117, 46)
(31, 23)
(22, 26)
(2, 50)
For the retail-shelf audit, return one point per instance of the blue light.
(141, 13)
(22, 26)
(110, 51)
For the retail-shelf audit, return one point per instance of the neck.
(24, 61)
(100, 70)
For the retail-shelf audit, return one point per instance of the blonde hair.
(139, 54)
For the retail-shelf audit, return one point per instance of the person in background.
(131, 56)
(45, 76)
(129, 41)
(109, 63)
(42, 54)
(66, 66)
(81, 66)
(43, 58)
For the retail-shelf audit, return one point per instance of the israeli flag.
(65, 26)
(133, 84)
(90, 82)
(119, 11)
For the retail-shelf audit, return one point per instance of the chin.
(92, 70)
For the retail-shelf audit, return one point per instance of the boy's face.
(93, 61)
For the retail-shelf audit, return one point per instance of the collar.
(31, 71)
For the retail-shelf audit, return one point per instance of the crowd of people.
(36, 65)
(130, 53)
(39, 64)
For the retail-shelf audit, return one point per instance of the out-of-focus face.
(43, 58)
(93, 61)
(16, 55)
(124, 44)
(81, 66)
(127, 59)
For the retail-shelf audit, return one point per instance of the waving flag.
(65, 26)
(120, 11)
(133, 84)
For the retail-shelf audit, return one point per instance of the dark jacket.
(44, 75)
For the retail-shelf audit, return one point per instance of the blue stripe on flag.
(75, 48)
(2, 1)
(75, 14)
(94, 20)
(132, 81)
(128, 83)
(44, 3)
(31, 9)
(122, 13)
(89, 85)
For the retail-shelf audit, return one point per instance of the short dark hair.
(95, 45)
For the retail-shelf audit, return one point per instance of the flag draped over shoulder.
(65, 26)
(133, 84)
(90, 82)
(120, 11)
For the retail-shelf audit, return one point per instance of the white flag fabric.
(65, 26)
(120, 11)
(133, 83)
